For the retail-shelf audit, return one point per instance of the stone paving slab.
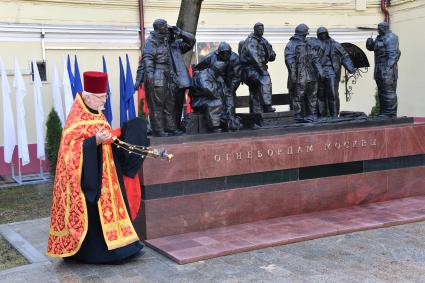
(395, 254)
(22, 245)
(207, 244)
(34, 232)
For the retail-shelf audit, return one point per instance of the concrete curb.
(22, 269)
(23, 247)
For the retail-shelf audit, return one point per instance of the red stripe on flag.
(141, 94)
(188, 107)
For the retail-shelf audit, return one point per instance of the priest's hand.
(102, 136)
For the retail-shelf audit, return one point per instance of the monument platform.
(196, 246)
(281, 185)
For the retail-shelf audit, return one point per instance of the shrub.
(141, 112)
(375, 109)
(53, 139)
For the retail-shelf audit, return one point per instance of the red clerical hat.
(95, 82)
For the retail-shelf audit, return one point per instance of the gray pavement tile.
(22, 245)
(190, 276)
(395, 254)
(71, 279)
(150, 253)
(338, 278)
(392, 271)
(155, 270)
(296, 264)
(247, 258)
(92, 279)
(82, 270)
(36, 272)
(272, 274)
(222, 268)
(61, 268)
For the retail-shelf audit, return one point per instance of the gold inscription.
(249, 155)
(239, 156)
(259, 154)
(291, 150)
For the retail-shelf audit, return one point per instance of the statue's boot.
(269, 109)
(159, 134)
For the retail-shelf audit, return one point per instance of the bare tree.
(188, 20)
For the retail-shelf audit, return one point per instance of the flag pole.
(12, 169)
(41, 170)
(19, 172)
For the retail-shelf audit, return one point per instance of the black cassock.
(93, 248)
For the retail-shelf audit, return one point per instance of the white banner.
(21, 92)
(39, 112)
(57, 98)
(9, 133)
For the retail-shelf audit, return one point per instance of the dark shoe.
(386, 116)
(310, 119)
(235, 129)
(159, 134)
(269, 109)
(298, 118)
(175, 133)
(256, 126)
(215, 130)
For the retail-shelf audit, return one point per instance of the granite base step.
(207, 244)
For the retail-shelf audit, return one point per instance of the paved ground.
(395, 254)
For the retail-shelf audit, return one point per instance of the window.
(41, 65)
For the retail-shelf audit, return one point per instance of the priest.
(90, 216)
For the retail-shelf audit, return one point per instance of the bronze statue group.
(314, 72)
(92, 211)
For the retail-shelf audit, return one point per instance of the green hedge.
(53, 139)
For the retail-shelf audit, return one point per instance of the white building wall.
(408, 22)
(94, 28)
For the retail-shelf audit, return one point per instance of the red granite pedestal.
(221, 196)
